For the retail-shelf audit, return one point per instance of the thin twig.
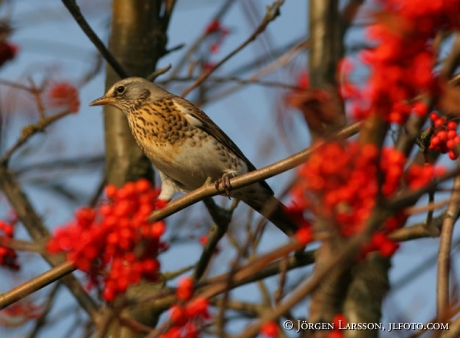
(252, 80)
(432, 206)
(442, 287)
(59, 164)
(188, 54)
(409, 233)
(410, 197)
(31, 130)
(15, 85)
(158, 72)
(173, 274)
(284, 263)
(81, 21)
(36, 91)
(221, 218)
(245, 307)
(98, 192)
(283, 60)
(21, 245)
(41, 321)
(272, 13)
(35, 284)
(429, 216)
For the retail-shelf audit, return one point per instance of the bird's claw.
(225, 181)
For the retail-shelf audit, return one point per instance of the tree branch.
(442, 287)
(81, 21)
(272, 12)
(31, 130)
(222, 218)
(35, 284)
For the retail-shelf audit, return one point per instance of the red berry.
(438, 123)
(177, 314)
(435, 141)
(110, 190)
(452, 125)
(451, 134)
(434, 117)
(442, 135)
(142, 185)
(388, 248)
(157, 229)
(213, 27)
(452, 155)
(304, 235)
(269, 330)
(185, 289)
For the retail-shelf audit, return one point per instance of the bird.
(187, 148)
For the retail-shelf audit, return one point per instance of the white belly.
(194, 162)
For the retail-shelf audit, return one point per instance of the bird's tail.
(268, 206)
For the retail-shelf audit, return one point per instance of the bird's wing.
(196, 117)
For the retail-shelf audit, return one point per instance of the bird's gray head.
(130, 93)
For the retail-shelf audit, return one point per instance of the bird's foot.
(225, 181)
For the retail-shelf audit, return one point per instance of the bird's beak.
(101, 101)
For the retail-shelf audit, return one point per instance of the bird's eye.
(120, 90)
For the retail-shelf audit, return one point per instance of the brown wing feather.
(212, 129)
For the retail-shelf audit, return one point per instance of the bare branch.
(272, 13)
(442, 287)
(222, 218)
(31, 130)
(81, 21)
(158, 72)
(35, 284)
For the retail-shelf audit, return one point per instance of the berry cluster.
(402, 63)
(340, 182)
(7, 256)
(20, 313)
(215, 27)
(381, 243)
(63, 95)
(116, 244)
(215, 34)
(445, 137)
(186, 318)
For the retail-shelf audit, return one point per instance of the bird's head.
(129, 93)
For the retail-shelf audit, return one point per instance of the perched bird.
(186, 146)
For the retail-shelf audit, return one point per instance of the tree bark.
(138, 40)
